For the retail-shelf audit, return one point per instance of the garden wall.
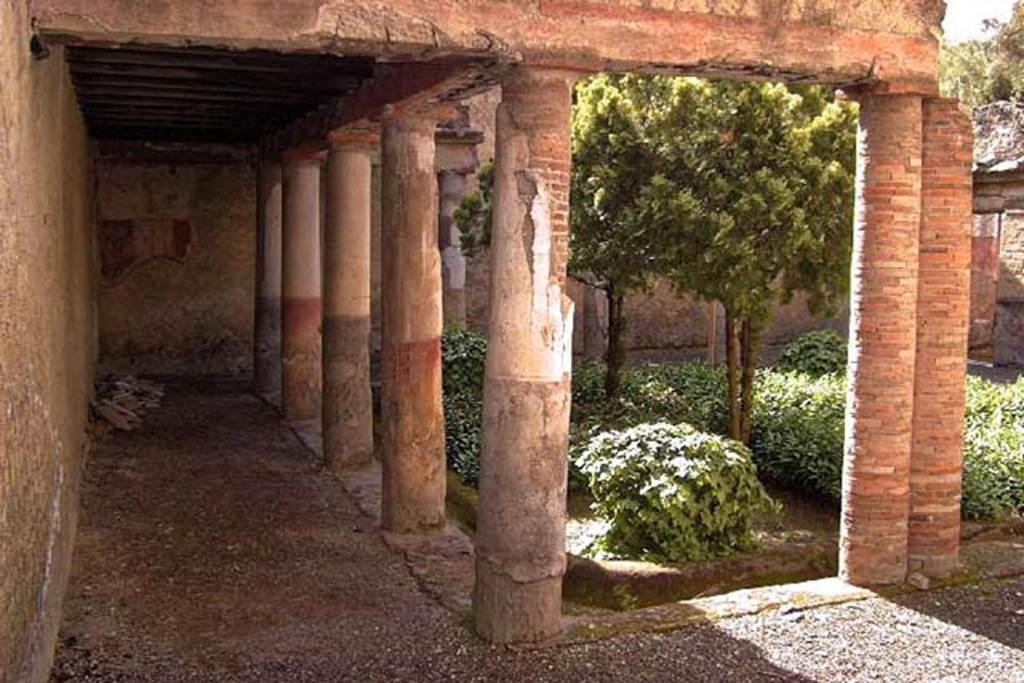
(177, 241)
(47, 341)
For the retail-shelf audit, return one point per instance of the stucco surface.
(182, 301)
(47, 346)
(833, 40)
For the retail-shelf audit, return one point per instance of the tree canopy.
(982, 71)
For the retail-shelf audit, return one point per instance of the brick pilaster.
(880, 399)
(942, 326)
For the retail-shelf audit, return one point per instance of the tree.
(978, 72)
(610, 247)
(738, 193)
(751, 201)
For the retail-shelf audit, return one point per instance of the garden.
(653, 478)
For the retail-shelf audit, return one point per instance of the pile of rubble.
(121, 401)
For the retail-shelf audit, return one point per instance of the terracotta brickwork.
(942, 324)
(880, 400)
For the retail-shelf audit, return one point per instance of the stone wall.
(177, 243)
(47, 341)
(1009, 330)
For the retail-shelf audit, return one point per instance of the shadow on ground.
(212, 547)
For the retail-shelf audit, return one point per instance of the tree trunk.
(750, 347)
(615, 355)
(732, 357)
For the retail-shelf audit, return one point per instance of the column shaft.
(880, 397)
(452, 186)
(520, 542)
(943, 313)
(347, 424)
(267, 327)
(301, 303)
(412, 418)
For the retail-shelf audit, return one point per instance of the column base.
(510, 611)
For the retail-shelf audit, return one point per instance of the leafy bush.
(815, 353)
(463, 354)
(798, 429)
(671, 493)
(686, 392)
(993, 479)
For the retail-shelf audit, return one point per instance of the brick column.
(520, 541)
(880, 397)
(267, 327)
(412, 419)
(943, 312)
(452, 187)
(347, 424)
(300, 303)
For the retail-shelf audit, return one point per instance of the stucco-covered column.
(880, 396)
(943, 313)
(520, 541)
(452, 187)
(412, 419)
(267, 328)
(347, 424)
(301, 296)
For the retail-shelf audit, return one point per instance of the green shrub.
(686, 392)
(463, 355)
(797, 431)
(671, 493)
(993, 478)
(815, 353)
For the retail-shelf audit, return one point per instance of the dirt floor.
(211, 547)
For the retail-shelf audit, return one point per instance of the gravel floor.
(211, 548)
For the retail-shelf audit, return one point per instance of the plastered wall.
(47, 341)
(178, 254)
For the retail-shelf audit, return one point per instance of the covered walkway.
(213, 547)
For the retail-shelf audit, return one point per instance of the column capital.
(861, 91)
(303, 155)
(432, 113)
(354, 137)
(539, 74)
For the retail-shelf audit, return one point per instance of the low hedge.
(671, 493)
(817, 353)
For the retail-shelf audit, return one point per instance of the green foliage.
(463, 353)
(753, 196)
(815, 353)
(685, 392)
(797, 436)
(798, 439)
(979, 72)
(671, 493)
(473, 215)
(798, 426)
(993, 482)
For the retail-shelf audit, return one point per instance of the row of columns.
(521, 522)
(908, 337)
